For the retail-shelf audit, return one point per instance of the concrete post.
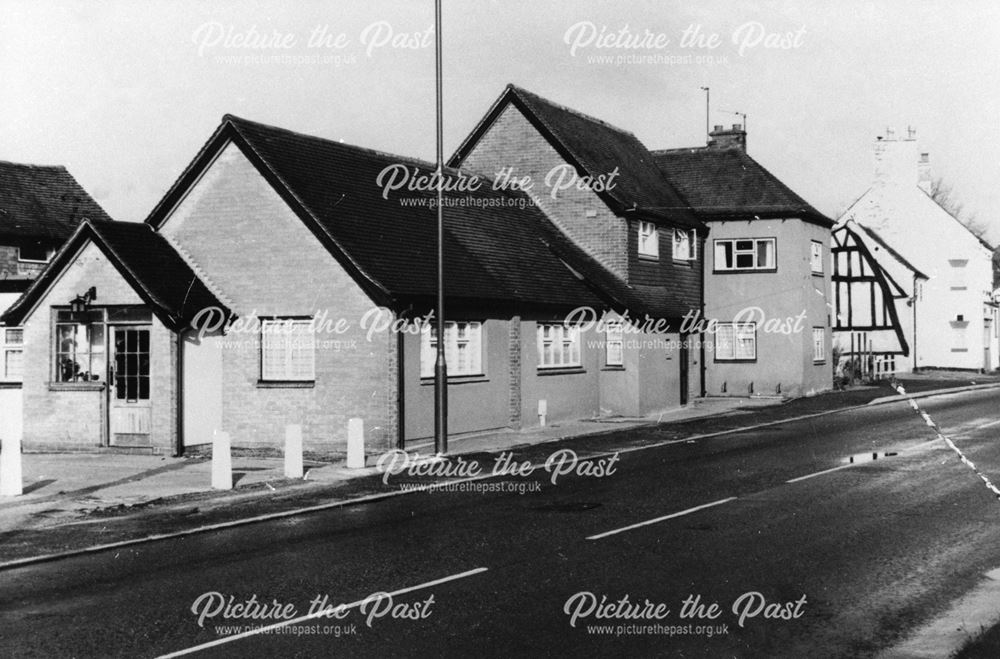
(11, 481)
(293, 451)
(355, 444)
(222, 461)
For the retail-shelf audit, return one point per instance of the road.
(853, 557)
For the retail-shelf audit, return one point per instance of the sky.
(124, 93)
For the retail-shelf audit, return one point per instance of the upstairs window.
(11, 354)
(649, 240)
(558, 346)
(744, 254)
(34, 254)
(685, 244)
(288, 350)
(816, 257)
(463, 348)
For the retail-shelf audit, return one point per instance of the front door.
(129, 418)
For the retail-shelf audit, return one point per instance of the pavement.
(76, 502)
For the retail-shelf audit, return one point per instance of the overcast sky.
(125, 93)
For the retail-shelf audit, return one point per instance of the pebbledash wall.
(73, 416)
(792, 288)
(251, 249)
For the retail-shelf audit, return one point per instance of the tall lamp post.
(440, 366)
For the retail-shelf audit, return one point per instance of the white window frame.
(735, 351)
(9, 347)
(816, 257)
(685, 244)
(720, 266)
(614, 343)
(49, 252)
(564, 341)
(281, 335)
(819, 345)
(459, 337)
(649, 240)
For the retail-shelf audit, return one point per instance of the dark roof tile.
(43, 202)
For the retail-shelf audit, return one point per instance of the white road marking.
(820, 473)
(660, 519)
(987, 425)
(318, 614)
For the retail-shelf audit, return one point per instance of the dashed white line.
(660, 519)
(820, 473)
(320, 613)
(987, 425)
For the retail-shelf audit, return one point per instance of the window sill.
(566, 370)
(10, 384)
(76, 386)
(286, 384)
(817, 274)
(745, 271)
(736, 361)
(960, 350)
(455, 379)
(819, 362)
(687, 262)
(613, 367)
(649, 258)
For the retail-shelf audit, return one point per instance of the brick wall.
(237, 231)
(513, 142)
(10, 266)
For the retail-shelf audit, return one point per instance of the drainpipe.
(179, 395)
(914, 323)
(701, 343)
(400, 393)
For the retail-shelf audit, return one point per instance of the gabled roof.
(723, 183)
(494, 251)
(43, 202)
(595, 148)
(147, 262)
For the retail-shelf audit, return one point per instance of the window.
(288, 350)
(558, 346)
(736, 342)
(819, 344)
(80, 348)
(816, 257)
(463, 348)
(34, 253)
(649, 240)
(958, 269)
(685, 244)
(614, 353)
(744, 254)
(11, 354)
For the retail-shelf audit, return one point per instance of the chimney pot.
(718, 127)
(737, 126)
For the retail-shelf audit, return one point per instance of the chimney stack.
(924, 172)
(733, 138)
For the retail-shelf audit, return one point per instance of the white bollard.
(293, 451)
(543, 411)
(222, 461)
(11, 482)
(355, 444)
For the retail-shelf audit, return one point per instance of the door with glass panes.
(129, 410)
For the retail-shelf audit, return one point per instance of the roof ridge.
(33, 166)
(337, 143)
(573, 111)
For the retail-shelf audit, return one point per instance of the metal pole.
(707, 106)
(440, 367)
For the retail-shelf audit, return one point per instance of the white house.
(954, 320)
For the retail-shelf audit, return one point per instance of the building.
(283, 279)
(766, 271)
(955, 319)
(40, 206)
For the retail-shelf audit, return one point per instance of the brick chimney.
(728, 138)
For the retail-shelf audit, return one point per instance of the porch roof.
(147, 262)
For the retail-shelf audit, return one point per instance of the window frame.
(610, 328)
(288, 376)
(692, 243)
(8, 347)
(716, 269)
(574, 345)
(428, 349)
(819, 358)
(49, 253)
(650, 232)
(816, 260)
(735, 340)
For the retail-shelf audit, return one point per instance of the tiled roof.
(499, 248)
(43, 202)
(597, 148)
(726, 182)
(144, 258)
